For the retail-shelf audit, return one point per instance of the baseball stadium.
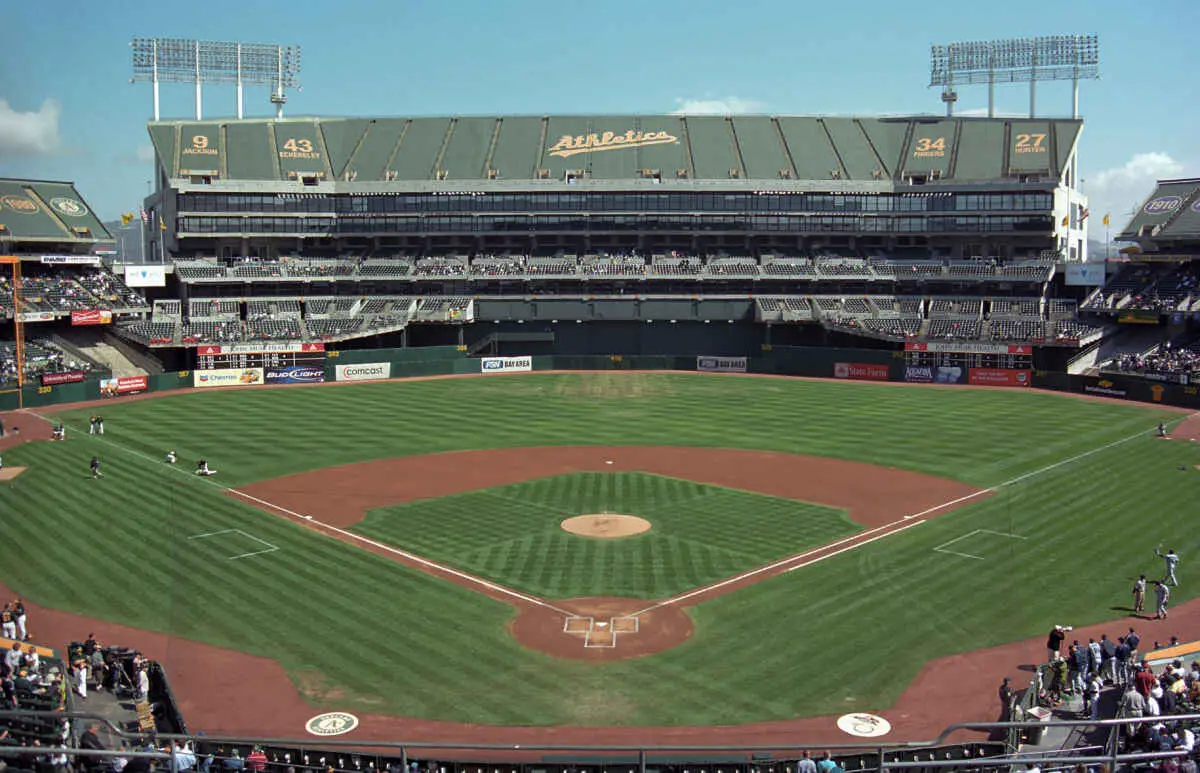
(597, 443)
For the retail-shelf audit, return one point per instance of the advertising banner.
(146, 276)
(91, 317)
(71, 260)
(919, 374)
(861, 371)
(948, 374)
(261, 348)
(967, 347)
(227, 377)
(506, 364)
(66, 377)
(295, 374)
(36, 316)
(126, 385)
(364, 371)
(1085, 274)
(1170, 378)
(721, 364)
(998, 377)
(1106, 388)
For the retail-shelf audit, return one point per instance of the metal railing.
(632, 758)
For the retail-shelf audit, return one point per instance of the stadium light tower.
(1015, 60)
(176, 60)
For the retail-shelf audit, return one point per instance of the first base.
(8, 473)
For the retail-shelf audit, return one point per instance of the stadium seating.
(41, 356)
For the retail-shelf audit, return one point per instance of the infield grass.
(699, 533)
(122, 549)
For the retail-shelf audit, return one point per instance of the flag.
(1066, 220)
(161, 225)
(126, 218)
(145, 216)
(1083, 214)
(1105, 220)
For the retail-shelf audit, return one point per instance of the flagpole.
(142, 247)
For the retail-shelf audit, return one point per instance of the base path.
(883, 500)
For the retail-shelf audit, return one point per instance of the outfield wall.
(852, 364)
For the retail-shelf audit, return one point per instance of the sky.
(69, 112)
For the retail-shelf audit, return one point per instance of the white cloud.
(142, 155)
(1122, 188)
(30, 133)
(716, 106)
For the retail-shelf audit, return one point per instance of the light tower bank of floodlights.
(174, 60)
(1015, 60)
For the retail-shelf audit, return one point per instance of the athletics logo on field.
(333, 723)
(864, 725)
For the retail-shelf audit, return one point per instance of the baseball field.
(793, 548)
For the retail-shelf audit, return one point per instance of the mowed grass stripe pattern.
(969, 435)
(394, 641)
(513, 535)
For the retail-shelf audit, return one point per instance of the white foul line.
(403, 553)
(857, 540)
(309, 519)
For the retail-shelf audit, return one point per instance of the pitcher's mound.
(8, 473)
(606, 525)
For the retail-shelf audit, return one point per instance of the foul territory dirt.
(268, 704)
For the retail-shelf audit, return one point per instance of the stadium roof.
(664, 149)
(39, 212)
(1171, 212)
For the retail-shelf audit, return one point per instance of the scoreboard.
(265, 355)
(967, 362)
(1002, 361)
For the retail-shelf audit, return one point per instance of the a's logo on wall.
(1162, 205)
(592, 143)
(20, 204)
(864, 725)
(333, 723)
(68, 207)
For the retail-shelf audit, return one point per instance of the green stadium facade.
(40, 216)
(453, 230)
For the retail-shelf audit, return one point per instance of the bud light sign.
(299, 374)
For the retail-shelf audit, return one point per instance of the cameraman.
(1058, 635)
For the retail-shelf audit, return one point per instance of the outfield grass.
(120, 548)
(512, 534)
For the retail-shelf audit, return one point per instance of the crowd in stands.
(1166, 358)
(633, 264)
(1110, 678)
(41, 356)
(65, 291)
(30, 681)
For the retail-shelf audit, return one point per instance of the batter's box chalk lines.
(269, 548)
(944, 547)
(578, 624)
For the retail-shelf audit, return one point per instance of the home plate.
(609, 462)
(601, 625)
(8, 473)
